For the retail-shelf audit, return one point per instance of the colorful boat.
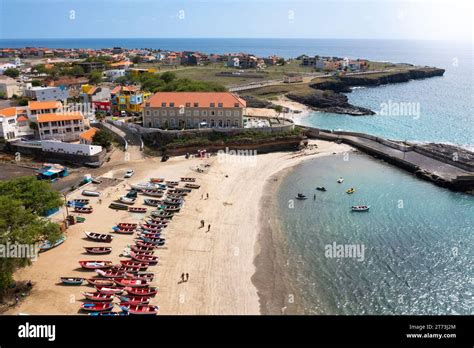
(72, 280)
(83, 210)
(153, 193)
(134, 300)
(127, 225)
(133, 283)
(98, 237)
(97, 296)
(96, 264)
(138, 248)
(160, 213)
(100, 282)
(98, 250)
(124, 230)
(110, 273)
(155, 180)
(137, 210)
(142, 243)
(350, 191)
(127, 200)
(109, 290)
(153, 202)
(46, 245)
(150, 291)
(135, 265)
(97, 306)
(144, 258)
(139, 309)
(140, 276)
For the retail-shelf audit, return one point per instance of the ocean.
(417, 237)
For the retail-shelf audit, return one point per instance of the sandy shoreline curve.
(221, 262)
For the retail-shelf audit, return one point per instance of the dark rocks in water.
(330, 101)
(253, 102)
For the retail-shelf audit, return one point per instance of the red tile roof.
(204, 99)
(68, 116)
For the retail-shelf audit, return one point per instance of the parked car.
(129, 173)
(123, 113)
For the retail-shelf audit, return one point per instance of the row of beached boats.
(128, 284)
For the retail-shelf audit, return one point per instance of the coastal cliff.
(326, 93)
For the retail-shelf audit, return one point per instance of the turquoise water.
(418, 240)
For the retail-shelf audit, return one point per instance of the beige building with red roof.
(66, 126)
(185, 110)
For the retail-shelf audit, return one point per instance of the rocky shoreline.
(328, 93)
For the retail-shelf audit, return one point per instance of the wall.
(74, 149)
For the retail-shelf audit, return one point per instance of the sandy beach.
(220, 262)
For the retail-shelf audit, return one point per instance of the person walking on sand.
(187, 276)
(207, 195)
(208, 227)
(182, 277)
(202, 224)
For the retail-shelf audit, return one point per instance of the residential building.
(90, 66)
(178, 110)
(87, 136)
(128, 98)
(90, 93)
(271, 60)
(242, 61)
(47, 93)
(113, 74)
(9, 87)
(123, 64)
(14, 123)
(42, 107)
(66, 126)
(172, 58)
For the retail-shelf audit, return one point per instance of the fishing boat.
(301, 196)
(360, 208)
(81, 201)
(110, 273)
(159, 213)
(149, 252)
(340, 180)
(160, 220)
(170, 209)
(141, 249)
(98, 250)
(108, 314)
(157, 180)
(321, 188)
(188, 179)
(137, 210)
(134, 265)
(142, 243)
(140, 275)
(149, 227)
(157, 243)
(139, 309)
(150, 291)
(97, 307)
(148, 186)
(118, 206)
(151, 224)
(132, 194)
(350, 191)
(98, 237)
(91, 193)
(153, 202)
(172, 183)
(134, 300)
(150, 234)
(126, 200)
(83, 210)
(127, 225)
(46, 245)
(96, 264)
(144, 258)
(124, 230)
(72, 280)
(100, 282)
(173, 201)
(153, 193)
(97, 296)
(110, 290)
(133, 283)
(192, 186)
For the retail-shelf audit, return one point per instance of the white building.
(6, 66)
(9, 87)
(113, 74)
(47, 93)
(14, 123)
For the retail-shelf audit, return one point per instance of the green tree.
(103, 138)
(12, 72)
(168, 76)
(76, 71)
(136, 59)
(95, 77)
(278, 109)
(36, 83)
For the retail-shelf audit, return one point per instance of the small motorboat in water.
(350, 191)
(301, 196)
(360, 208)
(321, 188)
(340, 180)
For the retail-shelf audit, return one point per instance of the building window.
(156, 113)
(188, 105)
(157, 123)
(147, 112)
(189, 123)
(172, 112)
(171, 105)
(220, 124)
(213, 123)
(173, 123)
(77, 129)
(55, 131)
(227, 124)
(204, 112)
(163, 105)
(237, 113)
(212, 113)
(236, 123)
(68, 130)
(163, 112)
(228, 113)
(236, 105)
(188, 112)
(196, 105)
(220, 113)
(213, 105)
(219, 105)
(46, 132)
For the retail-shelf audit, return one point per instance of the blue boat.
(46, 245)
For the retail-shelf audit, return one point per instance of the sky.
(339, 19)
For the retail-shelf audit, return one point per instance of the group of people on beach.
(184, 277)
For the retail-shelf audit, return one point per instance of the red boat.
(125, 231)
(97, 296)
(96, 264)
(146, 245)
(110, 273)
(137, 210)
(172, 183)
(109, 290)
(149, 227)
(141, 291)
(144, 253)
(134, 300)
(127, 225)
(133, 283)
(155, 180)
(83, 210)
(142, 249)
(133, 268)
(153, 193)
(163, 220)
(139, 309)
(152, 224)
(134, 264)
(140, 276)
(98, 250)
(98, 237)
(142, 258)
(100, 282)
(97, 306)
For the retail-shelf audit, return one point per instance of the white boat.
(340, 180)
(90, 193)
(148, 186)
(127, 200)
(301, 196)
(360, 208)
